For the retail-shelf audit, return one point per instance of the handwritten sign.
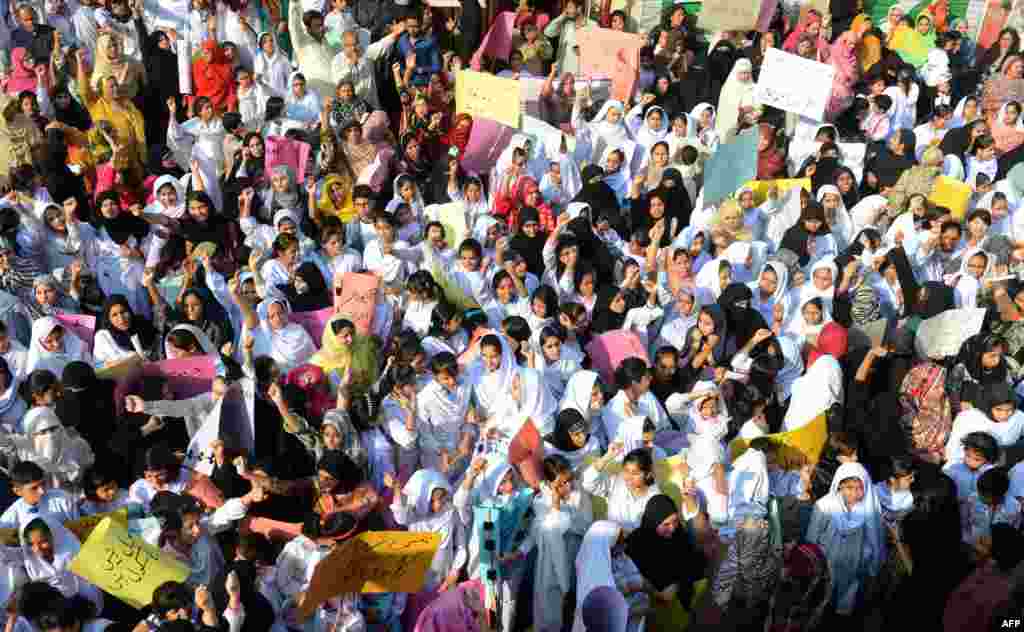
(313, 322)
(796, 447)
(81, 527)
(482, 95)
(728, 168)
(372, 562)
(125, 565)
(610, 54)
(188, 377)
(807, 97)
(358, 300)
(81, 325)
(608, 350)
(287, 151)
(487, 139)
(761, 187)
(728, 15)
(952, 194)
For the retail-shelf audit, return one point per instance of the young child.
(499, 489)
(894, 495)
(34, 499)
(877, 124)
(102, 493)
(992, 505)
(847, 525)
(708, 417)
(447, 430)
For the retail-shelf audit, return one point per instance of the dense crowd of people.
(618, 406)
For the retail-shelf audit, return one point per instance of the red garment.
(833, 340)
(771, 163)
(106, 179)
(524, 188)
(214, 79)
(458, 138)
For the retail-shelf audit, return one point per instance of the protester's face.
(679, 126)
(331, 437)
(852, 491)
(571, 10)
(823, 279)
(27, 19)
(1016, 70)
(844, 182)
(120, 317)
(32, 492)
(41, 544)
(991, 359)
(895, 145)
(244, 79)
(198, 211)
(1005, 41)
(923, 26)
(613, 163)
(634, 477)
(950, 239)
(803, 49)
(744, 76)
(299, 87)
(267, 45)
(587, 285)
(316, 27)
(277, 317)
(978, 227)
(54, 341)
(531, 228)
(812, 314)
(657, 208)
(346, 336)
(1002, 412)
(552, 349)
(412, 27)
(613, 116)
(618, 304)
(168, 196)
(46, 295)
(190, 529)
(666, 366)
(973, 459)
(107, 492)
(492, 358)
(706, 324)
(768, 282)
(705, 117)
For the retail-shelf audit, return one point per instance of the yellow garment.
(127, 123)
(869, 47)
(326, 206)
(130, 74)
(336, 357)
(21, 140)
(671, 616)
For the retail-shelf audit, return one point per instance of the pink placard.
(294, 153)
(497, 42)
(188, 377)
(601, 50)
(627, 73)
(358, 300)
(487, 139)
(81, 325)
(764, 18)
(608, 350)
(313, 322)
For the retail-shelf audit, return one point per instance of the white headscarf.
(273, 70)
(204, 341)
(594, 564)
(792, 368)
(648, 137)
(967, 286)
(65, 547)
(492, 388)
(620, 180)
(606, 133)
(157, 208)
(421, 486)
(779, 297)
(737, 254)
(814, 392)
(73, 348)
(735, 94)
(289, 346)
(578, 391)
(840, 225)
(709, 284)
(46, 435)
(866, 513)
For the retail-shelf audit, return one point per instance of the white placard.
(794, 84)
(184, 67)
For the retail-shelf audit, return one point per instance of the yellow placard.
(81, 527)
(453, 217)
(121, 369)
(482, 95)
(952, 194)
(797, 447)
(760, 187)
(125, 565)
(665, 475)
(372, 562)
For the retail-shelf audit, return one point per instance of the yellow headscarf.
(336, 357)
(869, 47)
(326, 205)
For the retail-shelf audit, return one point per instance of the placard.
(728, 15)
(776, 85)
(728, 168)
(497, 42)
(610, 54)
(608, 350)
(287, 151)
(372, 562)
(358, 300)
(82, 325)
(975, 16)
(453, 217)
(487, 139)
(125, 565)
(485, 96)
(187, 377)
(952, 194)
(231, 420)
(761, 187)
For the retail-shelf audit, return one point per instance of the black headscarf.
(215, 229)
(796, 237)
(741, 320)
(938, 298)
(604, 318)
(316, 296)
(124, 226)
(598, 194)
(139, 326)
(851, 198)
(567, 421)
(215, 322)
(970, 356)
(531, 248)
(649, 551)
(593, 251)
(156, 167)
(74, 115)
(259, 614)
(342, 469)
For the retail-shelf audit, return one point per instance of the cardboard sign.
(728, 15)
(728, 168)
(358, 301)
(188, 377)
(125, 565)
(482, 95)
(313, 322)
(497, 43)
(487, 139)
(761, 187)
(807, 97)
(81, 325)
(952, 194)
(372, 562)
(610, 54)
(232, 420)
(797, 447)
(286, 151)
(608, 350)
